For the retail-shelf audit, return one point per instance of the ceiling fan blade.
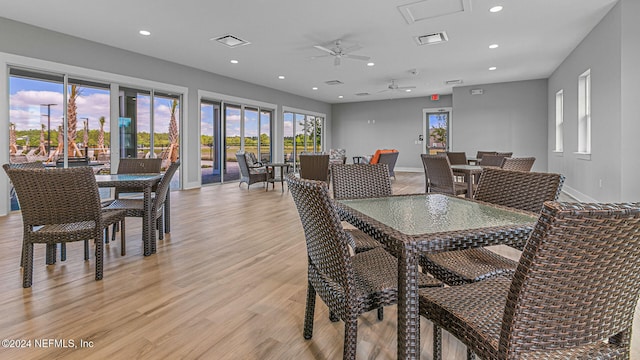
(318, 56)
(352, 48)
(358, 57)
(322, 48)
(405, 87)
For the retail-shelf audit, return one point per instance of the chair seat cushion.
(465, 266)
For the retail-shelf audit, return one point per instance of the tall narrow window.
(559, 120)
(584, 113)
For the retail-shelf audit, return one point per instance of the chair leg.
(309, 311)
(86, 250)
(123, 242)
(350, 337)
(160, 226)
(106, 233)
(50, 256)
(63, 252)
(380, 313)
(27, 262)
(470, 354)
(99, 258)
(437, 342)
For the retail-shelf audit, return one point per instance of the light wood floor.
(229, 282)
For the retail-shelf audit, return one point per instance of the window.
(584, 113)
(302, 133)
(559, 120)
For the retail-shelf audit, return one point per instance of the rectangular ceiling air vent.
(231, 41)
(334, 82)
(453, 82)
(363, 94)
(431, 39)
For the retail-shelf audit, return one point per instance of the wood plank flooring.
(229, 282)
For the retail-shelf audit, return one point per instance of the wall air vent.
(334, 82)
(231, 41)
(432, 39)
(453, 82)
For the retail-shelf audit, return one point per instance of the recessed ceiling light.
(370, 64)
(496, 9)
(407, 90)
(314, 88)
(492, 68)
(340, 96)
(144, 32)
(234, 61)
(281, 77)
(493, 46)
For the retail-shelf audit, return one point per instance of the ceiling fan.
(393, 86)
(339, 52)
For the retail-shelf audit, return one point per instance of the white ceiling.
(534, 37)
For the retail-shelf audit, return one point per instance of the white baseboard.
(406, 169)
(577, 195)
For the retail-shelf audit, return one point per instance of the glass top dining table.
(408, 225)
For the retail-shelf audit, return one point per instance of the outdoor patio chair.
(348, 285)
(518, 164)
(337, 156)
(572, 296)
(250, 175)
(439, 176)
(59, 206)
(521, 190)
(358, 181)
(135, 207)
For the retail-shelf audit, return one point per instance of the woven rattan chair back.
(491, 160)
(438, 174)
(26, 165)
(164, 185)
(249, 176)
(582, 298)
(390, 159)
(354, 181)
(314, 167)
(457, 158)
(65, 203)
(517, 189)
(480, 154)
(518, 164)
(139, 166)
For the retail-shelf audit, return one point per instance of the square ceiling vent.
(432, 39)
(334, 82)
(231, 41)
(429, 9)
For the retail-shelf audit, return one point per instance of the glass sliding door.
(210, 142)
(302, 133)
(265, 135)
(232, 143)
(251, 131)
(134, 123)
(289, 144)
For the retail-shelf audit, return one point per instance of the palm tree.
(72, 121)
(42, 150)
(101, 135)
(13, 148)
(173, 133)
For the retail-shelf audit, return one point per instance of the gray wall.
(398, 123)
(29, 41)
(600, 177)
(508, 116)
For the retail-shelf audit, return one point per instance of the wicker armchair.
(357, 181)
(59, 206)
(577, 284)
(521, 190)
(250, 175)
(135, 207)
(518, 164)
(337, 156)
(439, 176)
(481, 154)
(314, 167)
(349, 285)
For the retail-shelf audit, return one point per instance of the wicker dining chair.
(521, 190)
(518, 164)
(314, 167)
(491, 160)
(457, 158)
(572, 296)
(348, 285)
(439, 176)
(135, 207)
(137, 166)
(480, 154)
(359, 181)
(60, 205)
